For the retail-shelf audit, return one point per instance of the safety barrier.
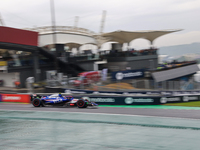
(111, 99)
(20, 98)
(139, 100)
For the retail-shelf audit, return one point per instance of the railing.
(138, 85)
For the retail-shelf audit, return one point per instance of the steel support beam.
(36, 68)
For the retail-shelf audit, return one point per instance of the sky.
(128, 15)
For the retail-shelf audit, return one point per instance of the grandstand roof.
(64, 35)
(127, 36)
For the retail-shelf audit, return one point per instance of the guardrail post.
(36, 66)
(155, 85)
(146, 84)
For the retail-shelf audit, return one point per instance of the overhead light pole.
(1, 21)
(53, 20)
(102, 22)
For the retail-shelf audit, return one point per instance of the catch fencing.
(126, 85)
(137, 85)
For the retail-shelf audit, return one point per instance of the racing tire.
(36, 102)
(81, 103)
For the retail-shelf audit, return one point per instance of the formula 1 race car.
(59, 100)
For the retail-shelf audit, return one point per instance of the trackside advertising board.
(20, 98)
(122, 100)
(18, 36)
(133, 100)
(127, 74)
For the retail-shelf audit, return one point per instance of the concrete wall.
(116, 66)
(25, 72)
(88, 66)
(139, 62)
(143, 64)
(9, 78)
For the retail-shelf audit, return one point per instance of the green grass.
(188, 104)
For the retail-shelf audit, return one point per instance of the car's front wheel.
(81, 103)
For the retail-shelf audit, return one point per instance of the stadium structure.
(52, 51)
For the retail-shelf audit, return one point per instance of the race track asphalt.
(26, 127)
(157, 112)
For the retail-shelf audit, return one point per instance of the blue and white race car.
(59, 100)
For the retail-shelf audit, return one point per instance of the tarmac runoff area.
(110, 128)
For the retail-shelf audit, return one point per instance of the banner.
(121, 100)
(127, 74)
(104, 74)
(137, 100)
(20, 98)
(177, 99)
(3, 63)
(18, 36)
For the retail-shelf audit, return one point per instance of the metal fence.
(166, 85)
(127, 85)
(139, 85)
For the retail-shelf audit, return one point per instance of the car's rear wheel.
(81, 103)
(36, 102)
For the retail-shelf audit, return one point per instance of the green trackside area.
(187, 104)
(154, 106)
(26, 130)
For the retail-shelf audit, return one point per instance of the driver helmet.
(60, 94)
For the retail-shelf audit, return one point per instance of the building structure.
(42, 55)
